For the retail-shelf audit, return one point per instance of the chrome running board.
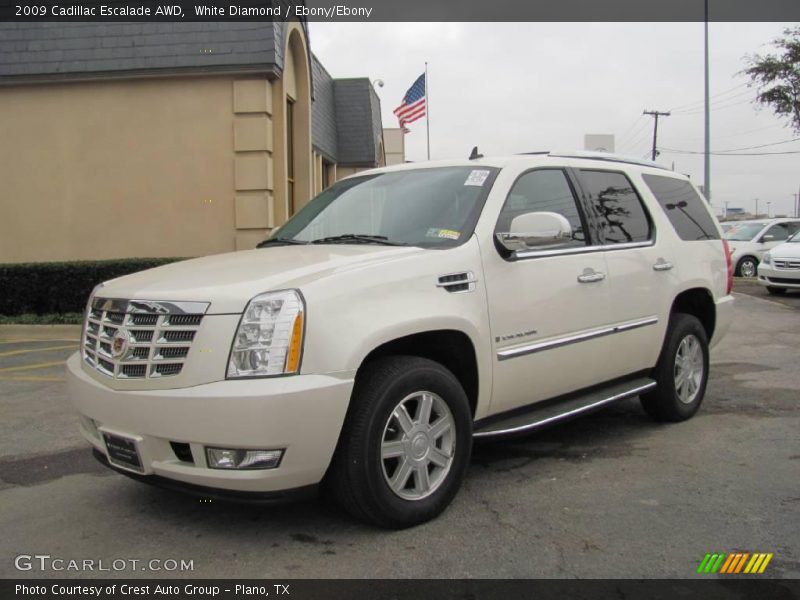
(541, 416)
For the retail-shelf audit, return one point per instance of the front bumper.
(782, 278)
(303, 414)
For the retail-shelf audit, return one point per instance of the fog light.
(234, 458)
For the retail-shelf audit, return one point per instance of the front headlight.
(269, 340)
(766, 259)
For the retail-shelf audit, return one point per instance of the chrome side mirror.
(535, 230)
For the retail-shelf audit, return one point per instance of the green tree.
(777, 77)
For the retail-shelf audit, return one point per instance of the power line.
(672, 151)
(762, 145)
(715, 108)
(730, 150)
(630, 129)
(715, 102)
(738, 133)
(680, 106)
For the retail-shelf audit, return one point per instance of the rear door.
(642, 279)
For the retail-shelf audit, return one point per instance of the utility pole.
(756, 215)
(655, 114)
(796, 204)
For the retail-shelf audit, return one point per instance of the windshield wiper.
(279, 241)
(358, 238)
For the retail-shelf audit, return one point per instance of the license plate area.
(123, 452)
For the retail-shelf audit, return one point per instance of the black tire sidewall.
(418, 375)
(741, 263)
(664, 402)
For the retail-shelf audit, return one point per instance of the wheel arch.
(698, 302)
(452, 348)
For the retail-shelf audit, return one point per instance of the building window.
(290, 154)
(326, 174)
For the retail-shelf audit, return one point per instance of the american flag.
(413, 106)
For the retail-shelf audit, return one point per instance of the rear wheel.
(776, 291)
(747, 267)
(405, 445)
(681, 372)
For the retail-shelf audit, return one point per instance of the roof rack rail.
(607, 156)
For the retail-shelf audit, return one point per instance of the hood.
(229, 281)
(786, 250)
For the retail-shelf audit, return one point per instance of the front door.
(548, 308)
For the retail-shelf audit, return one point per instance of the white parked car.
(399, 315)
(780, 267)
(750, 240)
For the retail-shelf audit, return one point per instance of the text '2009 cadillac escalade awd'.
(399, 315)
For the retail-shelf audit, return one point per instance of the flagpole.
(428, 110)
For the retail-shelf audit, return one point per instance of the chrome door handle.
(662, 265)
(591, 276)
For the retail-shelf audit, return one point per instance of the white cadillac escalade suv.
(401, 314)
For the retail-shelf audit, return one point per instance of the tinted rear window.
(619, 210)
(684, 207)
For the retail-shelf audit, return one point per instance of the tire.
(672, 400)
(378, 473)
(747, 267)
(775, 291)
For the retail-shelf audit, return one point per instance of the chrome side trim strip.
(150, 306)
(574, 339)
(583, 249)
(621, 396)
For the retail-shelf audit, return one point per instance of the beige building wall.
(116, 169)
(168, 166)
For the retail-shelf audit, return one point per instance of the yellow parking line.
(29, 350)
(31, 367)
(31, 378)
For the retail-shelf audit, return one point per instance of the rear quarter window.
(684, 208)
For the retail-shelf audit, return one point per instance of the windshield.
(744, 232)
(420, 207)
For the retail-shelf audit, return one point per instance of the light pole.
(769, 210)
(707, 153)
(756, 214)
(380, 84)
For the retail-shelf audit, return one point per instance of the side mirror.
(767, 237)
(535, 230)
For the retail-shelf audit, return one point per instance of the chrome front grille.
(140, 339)
(786, 263)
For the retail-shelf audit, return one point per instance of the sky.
(521, 87)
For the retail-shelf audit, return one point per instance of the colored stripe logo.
(735, 563)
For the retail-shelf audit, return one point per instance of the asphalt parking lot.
(609, 495)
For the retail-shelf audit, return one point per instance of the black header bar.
(401, 10)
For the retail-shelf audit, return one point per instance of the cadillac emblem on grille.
(140, 339)
(119, 343)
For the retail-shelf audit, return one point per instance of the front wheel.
(747, 267)
(681, 373)
(405, 445)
